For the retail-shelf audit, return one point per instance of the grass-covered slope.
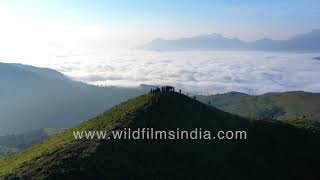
(65, 140)
(282, 106)
(272, 150)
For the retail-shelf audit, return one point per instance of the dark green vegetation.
(273, 150)
(34, 98)
(10, 144)
(297, 107)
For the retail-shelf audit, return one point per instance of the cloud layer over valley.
(204, 72)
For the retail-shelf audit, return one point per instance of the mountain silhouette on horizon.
(307, 42)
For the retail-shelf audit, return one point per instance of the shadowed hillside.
(273, 150)
(46, 98)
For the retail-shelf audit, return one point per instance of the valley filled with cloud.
(201, 72)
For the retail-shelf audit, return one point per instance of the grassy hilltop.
(273, 150)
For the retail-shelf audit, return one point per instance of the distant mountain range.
(34, 98)
(300, 108)
(272, 150)
(308, 42)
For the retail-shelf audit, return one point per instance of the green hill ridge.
(273, 150)
(284, 106)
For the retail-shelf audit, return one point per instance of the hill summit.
(271, 151)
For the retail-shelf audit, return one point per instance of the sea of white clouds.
(196, 72)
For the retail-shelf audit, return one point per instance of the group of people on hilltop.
(171, 89)
(163, 89)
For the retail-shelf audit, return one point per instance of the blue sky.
(81, 38)
(137, 21)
